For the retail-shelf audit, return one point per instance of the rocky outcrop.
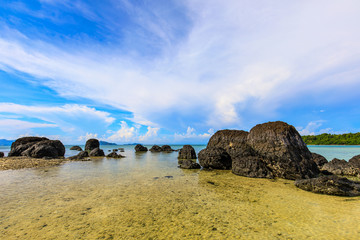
(187, 152)
(341, 167)
(189, 164)
(76, 148)
(81, 155)
(214, 158)
(166, 148)
(92, 144)
(2, 154)
(114, 155)
(251, 166)
(140, 148)
(319, 159)
(37, 147)
(155, 148)
(355, 161)
(331, 185)
(97, 152)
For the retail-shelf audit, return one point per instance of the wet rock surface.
(97, 152)
(92, 144)
(214, 158)
(331, 185)
(76, 148)
(341, 167)
(189, 164)
(187, 152)
(140, 148)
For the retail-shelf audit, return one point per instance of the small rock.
(155, 148)
(76, 148)
(140, 148)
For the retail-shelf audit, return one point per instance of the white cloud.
(19, 125)
(191, 134)
(87, 136)
(124, 134)
(311, 128)
(150, 134)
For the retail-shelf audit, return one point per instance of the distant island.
(106, 143)
(4, 142)
(333, 139)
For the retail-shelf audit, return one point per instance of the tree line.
(333, 139)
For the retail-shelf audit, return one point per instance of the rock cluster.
(342, 167)
(114, 155)
(80, 156)
(140, 148)
(37, 147)
(97, 152)
(91, 144)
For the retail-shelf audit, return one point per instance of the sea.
(146, 196)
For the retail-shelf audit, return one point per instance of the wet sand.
(12, 163)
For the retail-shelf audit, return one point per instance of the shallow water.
(145, 196)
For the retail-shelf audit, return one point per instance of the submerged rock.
(188, 164)
(340, 167)
(114, 155)
(76, 148)
(187, 152)
(37, 147)
(214, 158)
(155, 148)
(97, 152)
(81, 155)
(331, 185)
(319, 159)
(92, 144)
(166, 148)
(140, 148)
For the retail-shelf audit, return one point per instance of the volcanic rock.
(114, 155)
(97, 152)
(188, 164)
(166, 148)
(92, 144)
(22, 144)
(341, 167)
(80, 155)
(214, 158)
(187, 152)
(319, 159)
(331, 185)
(251, 166)
(140, 148)
(355, 161)
(2, 154)
(76, 148)
(155, 148)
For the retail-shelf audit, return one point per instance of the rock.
(97, 152)
(188, 164)
(319, 159)
(167, 148)
(280, 147)
(76, 148)
(340, 167)
(92, 144)
(155, 148)
(214, 158)
(80, 155)
(140, 148)
(37, 147)
(250, 166)
(2, 154)
(331, 185)
(115, 150)
(187, 152)
(114, 155)
(355, 161)
(121, 149)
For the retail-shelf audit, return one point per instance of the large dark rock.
(37, 147)
(251, 166)
(114, 155)
(97, 152)
(319, 159)
(166, 148)
(188, 164)
(214, 158)
(355, 161)
(331, 185)
(140, 148)
(81, 155)
(155, 148)
(76, 148)
(280, 147)
(92, 144)
(187, 152)
(2, 154)
(340, 167)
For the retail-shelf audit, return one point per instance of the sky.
(171, 71)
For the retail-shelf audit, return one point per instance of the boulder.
(114, 155)
(140, 148)
(97, 152)
(251, 166)
(280, 147)
(355, 161)
(115, 150)
(331, 185)
(81, 155)
(2, 154)
(121, 149)
(188, 164)
(319, 159)
(37, 147)
(187, 152)
(340, 167)
(76, 148)
(155, 148)
(214, 158)
(166, 148)
(92, 144)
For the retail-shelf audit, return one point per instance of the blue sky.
(176, 71)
